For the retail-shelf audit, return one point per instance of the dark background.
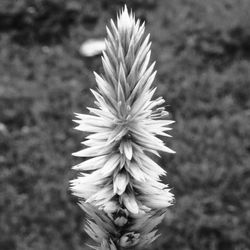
(202, 49)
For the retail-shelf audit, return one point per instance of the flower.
(119, 185)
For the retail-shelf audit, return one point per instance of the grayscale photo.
(124, 124)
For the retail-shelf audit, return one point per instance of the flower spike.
(119, 185)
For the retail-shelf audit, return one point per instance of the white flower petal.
(94, 151)
(126, 149)
(130, 203)
(105, 88)
(110, 165)
(103, 195)
(91, 164)
(120, 183)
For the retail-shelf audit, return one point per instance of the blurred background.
(202, 49)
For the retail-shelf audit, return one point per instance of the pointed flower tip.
(74, 120)
(75, 167)
(170, 151)
(124, 11)
(77, 154)
(77, 114)
(125, 20)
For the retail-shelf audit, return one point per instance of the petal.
(135, 171)
(126, 149)
(94, 151)
(130, 203)
(110, 165)
(91, 164)
(120, 183)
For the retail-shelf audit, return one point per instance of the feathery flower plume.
(119, 185)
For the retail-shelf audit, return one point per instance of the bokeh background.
(202, 49)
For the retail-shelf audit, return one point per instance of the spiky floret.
(119, 185)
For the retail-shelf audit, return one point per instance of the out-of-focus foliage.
(203, 59)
